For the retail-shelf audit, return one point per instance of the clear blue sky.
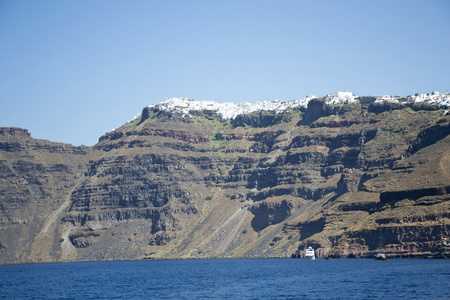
(72, 70)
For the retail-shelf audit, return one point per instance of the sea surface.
(230, 279)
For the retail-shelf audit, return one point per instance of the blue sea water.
(230, 279)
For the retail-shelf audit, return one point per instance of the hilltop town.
(434, 98)
(228, 110)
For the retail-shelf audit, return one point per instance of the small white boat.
(381, 256)
(310, 253)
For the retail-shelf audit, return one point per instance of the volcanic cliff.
(345, 178)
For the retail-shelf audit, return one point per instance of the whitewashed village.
(228, 110)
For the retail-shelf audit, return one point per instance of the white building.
(433, 98)
(229, 110)
(386, 98)
(340, 97)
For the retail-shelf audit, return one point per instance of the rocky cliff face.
(37, 178)
(344, 179)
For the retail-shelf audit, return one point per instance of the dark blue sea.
(230, 279)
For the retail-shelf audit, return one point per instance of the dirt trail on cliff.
(47, 234)
(218, 243)
(231, 228)
(260, 247)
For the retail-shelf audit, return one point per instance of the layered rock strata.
(348, 179)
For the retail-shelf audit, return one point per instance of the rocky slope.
(342, 178)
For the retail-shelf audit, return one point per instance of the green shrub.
(218, 136)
